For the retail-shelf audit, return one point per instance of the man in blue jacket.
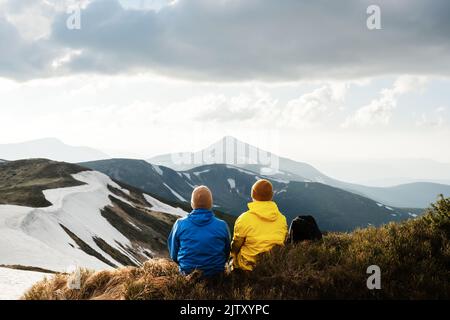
(200, 240)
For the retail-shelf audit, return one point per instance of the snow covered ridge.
(74, 231)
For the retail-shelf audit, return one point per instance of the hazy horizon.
(373, 172)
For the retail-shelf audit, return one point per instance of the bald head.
(201, 198)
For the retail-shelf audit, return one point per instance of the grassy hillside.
(414, 257)
(22, 182)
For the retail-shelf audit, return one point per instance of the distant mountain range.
(55, 215)
(387, 172)
(240, 154)
(234, 152)
(335, 209)
(49, 148)
(417, 194)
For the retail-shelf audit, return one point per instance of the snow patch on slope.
(157, 169)
(162, 207)
(187, 175)
(34, 237)
(386, 207)
(14, 283)
(198, 173)
(232, 183)
(174, 192)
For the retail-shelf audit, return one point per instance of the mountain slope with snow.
(230, 150)
(335, 209)
(96, 224)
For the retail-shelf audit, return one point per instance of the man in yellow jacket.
(259, 229)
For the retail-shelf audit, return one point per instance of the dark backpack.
(304, 228)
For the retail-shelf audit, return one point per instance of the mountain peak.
(49, 148)
(229, 138)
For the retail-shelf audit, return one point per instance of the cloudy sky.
(306, 79)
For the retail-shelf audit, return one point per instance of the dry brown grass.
(22, 181)
(414, 258)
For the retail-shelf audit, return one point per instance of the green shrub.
(439, 213)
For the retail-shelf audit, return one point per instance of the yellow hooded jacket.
(257, 231)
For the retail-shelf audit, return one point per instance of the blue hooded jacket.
(200, 241)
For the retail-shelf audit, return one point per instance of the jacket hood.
(266, 210)
(201, 217)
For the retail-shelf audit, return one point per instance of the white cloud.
(33, 19)
(313, 107)
(146, 4)
(65, 58)
(436, 119)
(407, 83)
(146, 115)
(31, 23)
(257, 108)
(379, 111)
(252, 106)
